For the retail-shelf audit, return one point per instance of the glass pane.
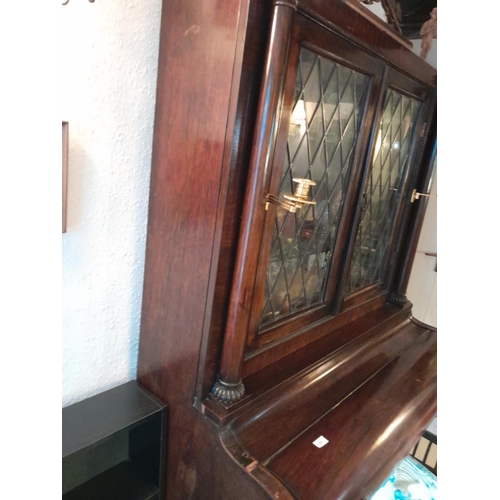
(328, 104)
(383, 188)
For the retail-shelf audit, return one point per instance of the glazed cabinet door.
(315, 120)
(330, 99)
(393, 166)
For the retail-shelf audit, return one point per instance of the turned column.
(229, 387)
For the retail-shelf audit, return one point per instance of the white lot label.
(320, 442)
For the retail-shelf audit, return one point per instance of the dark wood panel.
(300, 359)
(294, 405)
(198, 46)
(368, 432)
(255, 470)
(407, 85)
(291, 364)
(188, 152)
(338, 326)
(361, 296)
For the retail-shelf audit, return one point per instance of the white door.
(422, 287)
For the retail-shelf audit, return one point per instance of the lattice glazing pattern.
(328, 104)
(383, 189)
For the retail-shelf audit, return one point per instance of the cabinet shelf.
(113, 446)
(124, 481)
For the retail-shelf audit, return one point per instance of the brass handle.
(415, 195)
(299, 198)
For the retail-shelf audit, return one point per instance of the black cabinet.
(113, 446)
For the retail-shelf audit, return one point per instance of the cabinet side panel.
(197, 45)
(198, 42)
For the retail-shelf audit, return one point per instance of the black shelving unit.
(114, 446)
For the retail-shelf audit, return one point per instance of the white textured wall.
(109, 62)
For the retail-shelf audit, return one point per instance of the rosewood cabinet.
(289, 140)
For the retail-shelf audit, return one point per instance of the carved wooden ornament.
(428, 32)
(392, 11)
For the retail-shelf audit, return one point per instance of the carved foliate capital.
(228, 393)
